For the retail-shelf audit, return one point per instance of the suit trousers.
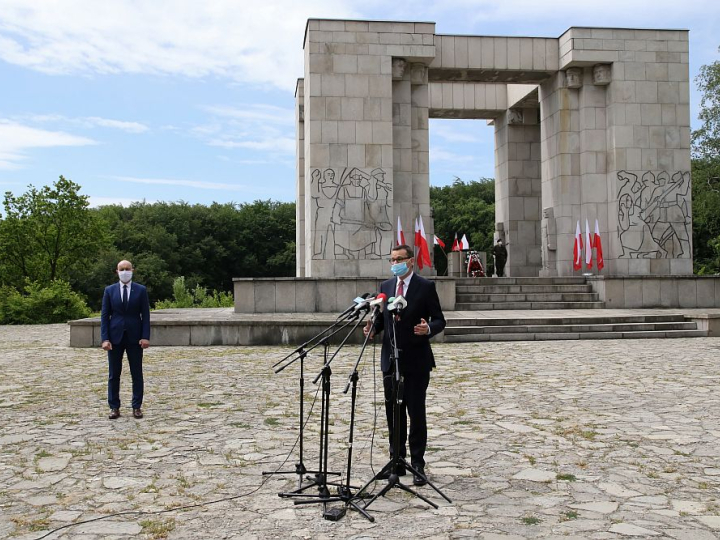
(415, 391)
(115, 357)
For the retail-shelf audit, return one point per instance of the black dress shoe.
(114, 414)
(386, 473)
(137, 413)
(419, 479)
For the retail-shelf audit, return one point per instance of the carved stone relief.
(654, 220)
(351, 215)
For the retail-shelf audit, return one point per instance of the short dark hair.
(408, 250)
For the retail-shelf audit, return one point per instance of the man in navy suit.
(419, 321)
(125, 327)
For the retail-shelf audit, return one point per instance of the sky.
(176, 100)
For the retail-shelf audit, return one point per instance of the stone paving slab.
(578, 440)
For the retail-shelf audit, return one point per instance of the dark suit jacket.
(423, 303)
(135, 320)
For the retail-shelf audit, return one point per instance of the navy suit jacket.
(422, 303)
(135, 319)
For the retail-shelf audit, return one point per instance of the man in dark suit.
(419, 321)
(125, 327)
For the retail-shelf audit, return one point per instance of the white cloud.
(259, 42)
(255, 113)
(85, 122)
(123, 201)
(197, 184)
(439, 154)
(17, 139)
(129, 127)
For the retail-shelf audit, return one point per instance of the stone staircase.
(479, 294)
(475, 329)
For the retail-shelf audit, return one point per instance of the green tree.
(706, 174)
(464, 208)
(47, 233)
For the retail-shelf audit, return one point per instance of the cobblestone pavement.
(583, 439)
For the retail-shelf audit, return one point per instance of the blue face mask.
(399, 269)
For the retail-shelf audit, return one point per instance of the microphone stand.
(397, 460)
(323, 495)
(302, 352)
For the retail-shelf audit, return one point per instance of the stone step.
(567, 320)
(527, 297)
(568, 328)
(487, 306)
(509, 289)
(523, 281)
(548, 336)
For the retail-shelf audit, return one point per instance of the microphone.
(379, 301)
(398, 304)
(364, 304)
(357, 301)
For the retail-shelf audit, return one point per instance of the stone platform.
(536, 440)
(222, 326)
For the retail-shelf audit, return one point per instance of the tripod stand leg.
(413, 492)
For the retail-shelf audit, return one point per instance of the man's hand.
(368, 330)
(106, 346)
(144, 343)
(422, 329)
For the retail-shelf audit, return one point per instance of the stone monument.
(594, 124)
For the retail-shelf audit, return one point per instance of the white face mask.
(125, 275)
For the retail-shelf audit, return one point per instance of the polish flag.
(418, 245)
(423, 247)
(464, 244)
(456, 244)
(438, 242)
(400, 234)
(577, 248)
(598, 248)
(588, 245)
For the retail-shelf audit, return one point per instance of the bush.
(41, 304)
(196, 298)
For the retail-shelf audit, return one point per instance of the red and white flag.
(400, 234)
(588, 245)
(456, 244)
(464, 244)
(423, 256)
(577, 248)
(438, 242)
(598, 248)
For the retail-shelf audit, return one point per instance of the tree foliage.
(47, 233)
(706, 174)
(463, 208)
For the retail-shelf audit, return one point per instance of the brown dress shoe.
(137, 413)
(114, 414)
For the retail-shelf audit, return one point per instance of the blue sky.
(186, 100)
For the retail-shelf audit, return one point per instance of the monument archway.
(593, 125)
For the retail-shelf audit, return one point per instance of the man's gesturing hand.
(422, 329)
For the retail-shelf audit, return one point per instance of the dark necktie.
(125, 297)
(401, 288)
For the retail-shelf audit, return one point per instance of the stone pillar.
(403, 206)
(299, 179)
(517, 189)
(349, 143)
(420, 101)
(649, 218)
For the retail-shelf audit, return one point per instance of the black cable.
(196, 505)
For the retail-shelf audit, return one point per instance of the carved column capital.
(573, 77)
(514, 116)
(398, 68)
(602, 74)
(418, 73)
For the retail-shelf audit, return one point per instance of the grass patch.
(569, 515)
(32, 525)
(566, 476)
(531, 520)
(157, 528)
(208, 404)
(270, 421)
